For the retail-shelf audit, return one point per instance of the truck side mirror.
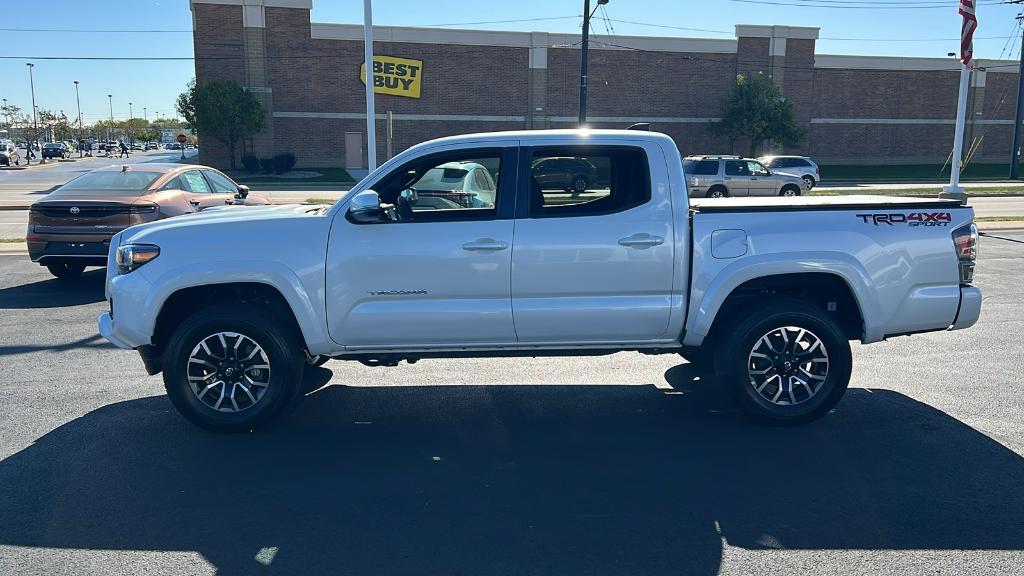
(365, 208)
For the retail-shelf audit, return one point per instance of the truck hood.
(220, 217)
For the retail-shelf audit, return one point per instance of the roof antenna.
(645, 126)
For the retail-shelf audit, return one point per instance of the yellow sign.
(395, 76)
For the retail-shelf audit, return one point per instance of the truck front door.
(596, 266)
(435, 274)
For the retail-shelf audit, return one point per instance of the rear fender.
(707, 300)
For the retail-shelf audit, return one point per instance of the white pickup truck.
(415, 262)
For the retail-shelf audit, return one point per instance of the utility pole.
(131, 133)
(110, 128)
(371, 124)
(1014, 148)
(79, 103)
(35, 124)
(584, 49)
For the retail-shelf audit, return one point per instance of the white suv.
(801, 166)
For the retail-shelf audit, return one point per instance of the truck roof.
(541, 136)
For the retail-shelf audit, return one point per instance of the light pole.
(587, 15)
(131, 133)
(35, 124)
(110, 128)
(144, 117)
(79, 103)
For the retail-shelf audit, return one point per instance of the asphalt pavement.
(624, 464)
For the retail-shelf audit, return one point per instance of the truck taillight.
(965, 239)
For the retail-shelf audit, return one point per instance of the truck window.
(458, 185)
(587, 180)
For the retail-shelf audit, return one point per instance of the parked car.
(723, 176)
(570, 174)
(9, 154)
(151, 146)
(71, 146)
(71, 227)
(464, 184)
(55, 150)
(137, 146)
(767, 292)
(802, 166)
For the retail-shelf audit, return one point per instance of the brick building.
(855, 109)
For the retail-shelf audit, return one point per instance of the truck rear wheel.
(232, 368)
(787, 363)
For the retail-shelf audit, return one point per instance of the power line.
(858, 6)
(122, 31)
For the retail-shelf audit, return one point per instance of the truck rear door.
(596, 266)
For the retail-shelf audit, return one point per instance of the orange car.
(71, 227)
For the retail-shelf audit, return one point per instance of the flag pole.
(371, 124)
(954, 189)
(968, 10)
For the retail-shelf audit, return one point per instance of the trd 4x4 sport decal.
(912, 219)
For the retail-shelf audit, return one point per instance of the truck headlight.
(131, 256)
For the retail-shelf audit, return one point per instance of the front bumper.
(970, 308)
(129, 322)
(106, 327)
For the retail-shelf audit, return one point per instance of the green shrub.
(283, 162)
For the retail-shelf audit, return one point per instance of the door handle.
(484, 244)
(641, 241)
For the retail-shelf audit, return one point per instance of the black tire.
(790, 188)
(283, 353)
(66, 270)
(579, 184)
(721, 191)
(734, 358)
(809, 182)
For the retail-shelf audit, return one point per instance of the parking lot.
(601, 465)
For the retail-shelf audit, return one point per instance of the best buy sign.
(396, 76)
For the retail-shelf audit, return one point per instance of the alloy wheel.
(228, 372)
(788, 365)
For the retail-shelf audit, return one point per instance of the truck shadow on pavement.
(513, 480)
(55, 292)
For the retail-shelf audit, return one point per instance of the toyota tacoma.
(232, 304)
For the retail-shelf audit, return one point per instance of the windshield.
(130, 183)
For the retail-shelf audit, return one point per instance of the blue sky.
(162, 28)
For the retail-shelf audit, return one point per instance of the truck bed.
(803, 203)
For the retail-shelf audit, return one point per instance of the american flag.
(970, 24)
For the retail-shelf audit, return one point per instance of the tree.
(161, 123)
(10, 114)
(222, 110)
(755, 109)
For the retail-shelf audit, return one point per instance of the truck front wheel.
(787, 363)
(232, 368)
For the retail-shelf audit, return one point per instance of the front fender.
(308, 308)
(708, 294)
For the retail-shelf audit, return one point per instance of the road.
(625, 464)
(20, 187)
